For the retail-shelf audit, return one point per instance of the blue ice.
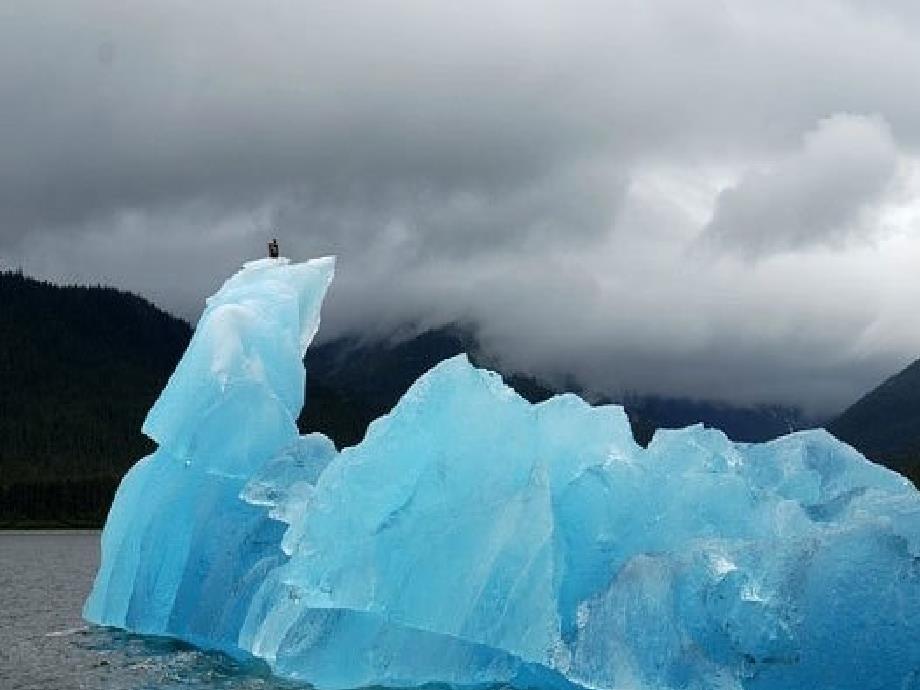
(475, 538)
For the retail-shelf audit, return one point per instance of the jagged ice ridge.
(475, 538)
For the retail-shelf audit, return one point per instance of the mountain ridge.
(369, 377)
(884, 424)
(80, 366)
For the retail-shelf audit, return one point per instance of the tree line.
(79, 368)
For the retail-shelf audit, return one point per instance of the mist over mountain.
(706, 201)
(80, 367)
(351, 382)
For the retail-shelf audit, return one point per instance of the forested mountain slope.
(885, 423)
(79, 367)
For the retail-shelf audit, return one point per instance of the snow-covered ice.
(475, 538)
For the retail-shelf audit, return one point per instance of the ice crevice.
(474, 538)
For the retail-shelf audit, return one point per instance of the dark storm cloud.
(547, 171)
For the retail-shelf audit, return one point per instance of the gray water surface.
(46, 645)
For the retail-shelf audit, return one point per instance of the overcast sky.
(716, 199)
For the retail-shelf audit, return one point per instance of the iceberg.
(473, 538)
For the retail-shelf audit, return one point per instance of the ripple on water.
(137, 661)
(45, 644)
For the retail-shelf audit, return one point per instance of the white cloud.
(541, 170)
(825, 193)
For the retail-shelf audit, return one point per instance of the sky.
(717, 199)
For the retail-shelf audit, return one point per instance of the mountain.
(79, 367)
(351, 382)
(753, 423)
(885, 423)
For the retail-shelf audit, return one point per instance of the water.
(45, 644)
